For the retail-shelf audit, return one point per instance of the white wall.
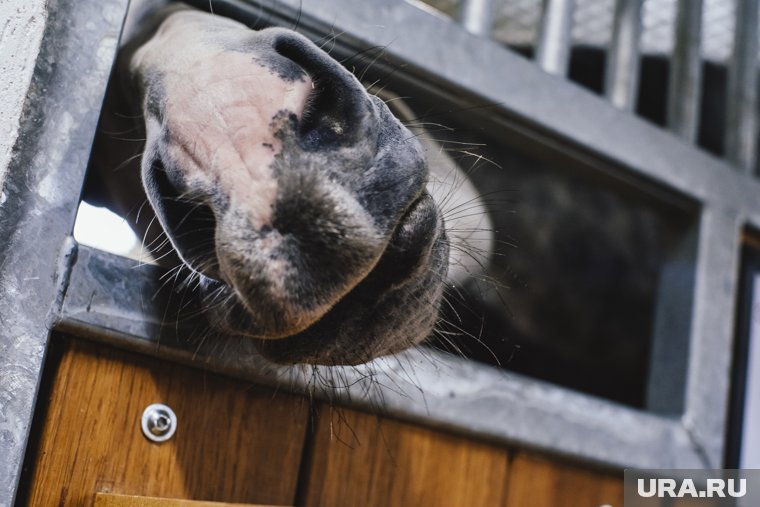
(22, 23)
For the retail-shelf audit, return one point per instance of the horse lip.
(373, 281)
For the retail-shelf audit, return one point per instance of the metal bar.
(477, 16)
(553, 44)
(438, 389)
(40, 195)
(749, 425)
(741, 93)
(685, 83)
(712, 331)
(622, 70)
(668, 365)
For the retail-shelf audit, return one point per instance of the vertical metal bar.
(622, 70)
(668, 366)
(477, 16)
(553, 45)
(685, 85)
(712, 331)
(741, 99)
(749, 452)
(41, 194)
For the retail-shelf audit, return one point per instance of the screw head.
(158, 422)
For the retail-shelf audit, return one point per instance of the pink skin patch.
(219, 110)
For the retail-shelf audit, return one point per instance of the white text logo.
(671, 488)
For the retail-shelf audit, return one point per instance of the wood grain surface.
(113, 500)
(243, 444)
(234, 442)
(538, 481)
(360, 459)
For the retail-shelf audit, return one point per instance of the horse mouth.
(360, 326)
(393, 308)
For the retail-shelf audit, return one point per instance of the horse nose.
(319, 245)
(337, 107)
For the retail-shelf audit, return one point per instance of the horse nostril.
(324, 122)
(337, 103)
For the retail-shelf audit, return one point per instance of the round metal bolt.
(158, 422)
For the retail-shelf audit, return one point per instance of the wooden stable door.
(242, 444)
